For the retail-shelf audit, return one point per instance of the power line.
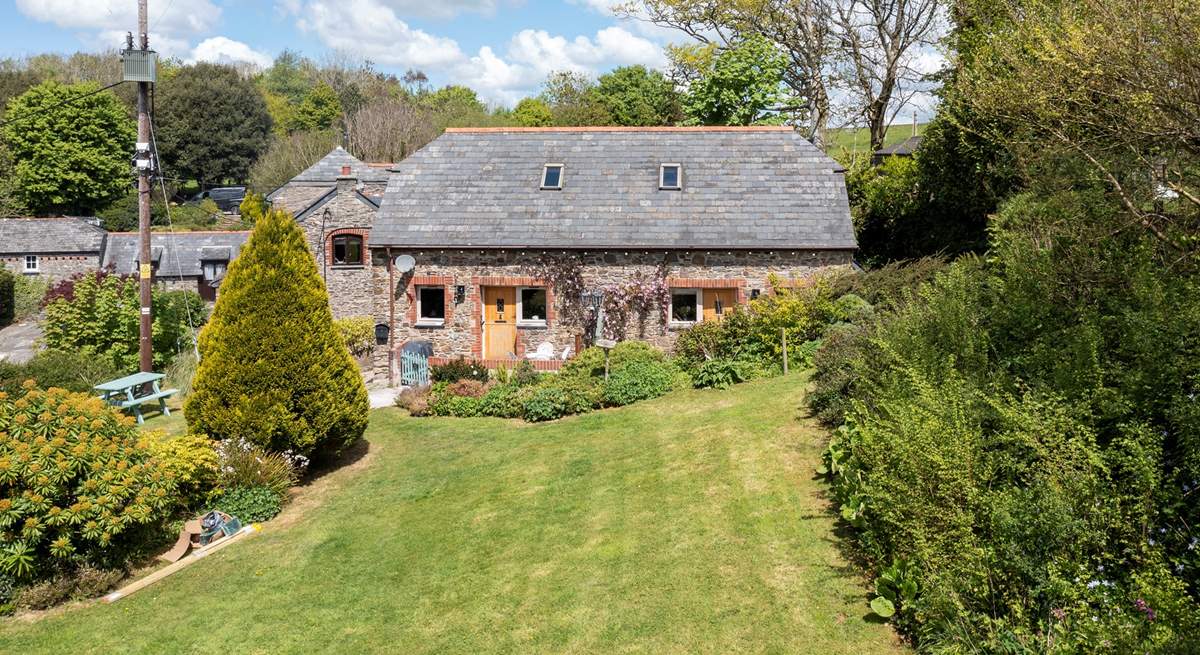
(44, 110)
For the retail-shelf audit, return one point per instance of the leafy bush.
(182, 372)
(357, 332)
(86, 583)
(28, 292)
(8, 297)
(193, 462)
(459, 369)
(273, 370)
(72, 371)
(244, 464)
(250, 504)
(525, 375)
(503, 401)
(78, 480)
(638, 380)
(445, 399)
(546, 403)
(97, 314)
(720, 374)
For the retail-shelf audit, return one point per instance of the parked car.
(228, 198)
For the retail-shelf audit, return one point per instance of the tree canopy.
(741, 85)
(635, 95)
(212, 124)
(71, 150)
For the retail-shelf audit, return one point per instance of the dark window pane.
(347, 250)
(670, 176)
(553, 177)
(433, 303)
(533, 304)
(683, 306)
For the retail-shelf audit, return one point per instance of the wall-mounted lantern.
(460, 294)
(754, 293)
(381, 334)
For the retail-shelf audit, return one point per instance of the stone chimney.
(346, 181)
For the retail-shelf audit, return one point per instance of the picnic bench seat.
(127, 393)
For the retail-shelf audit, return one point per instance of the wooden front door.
(499, 322)
(718, 302)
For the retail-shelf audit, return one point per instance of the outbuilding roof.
(744, 188)
(177, 254)
(64, 235)
(329, 169)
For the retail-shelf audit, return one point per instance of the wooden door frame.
(483, 324)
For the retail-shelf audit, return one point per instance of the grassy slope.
(859, 139)
(689, 524)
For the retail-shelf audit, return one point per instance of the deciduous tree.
(635, 95)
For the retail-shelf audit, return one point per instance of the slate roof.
(757, 187)
(177, 254)
(33, 236)
(326, 171)
(905, 148)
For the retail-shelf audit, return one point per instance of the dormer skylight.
(552, 177)
(670, 177)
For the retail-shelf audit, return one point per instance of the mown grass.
(688, 524)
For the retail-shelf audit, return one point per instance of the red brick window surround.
(737, 284)
(347, 247)
(416, 285)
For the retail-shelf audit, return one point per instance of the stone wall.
(350, 287)
(54, 267)
(460, 335)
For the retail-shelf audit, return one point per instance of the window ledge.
(532, 324)
(681, 325)
(345, 267)
(34, 272)
(430, 323)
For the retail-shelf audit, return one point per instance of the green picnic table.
(128, 392)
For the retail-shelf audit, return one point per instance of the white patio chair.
(545, 350)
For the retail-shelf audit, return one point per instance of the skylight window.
(552, 176)
(670, 176)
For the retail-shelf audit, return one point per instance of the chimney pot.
(345, 170)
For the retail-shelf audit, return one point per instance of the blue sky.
(502, 48)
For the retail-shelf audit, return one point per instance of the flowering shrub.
(243, 464)
(75, 481)
(192, 460)
(358, 332)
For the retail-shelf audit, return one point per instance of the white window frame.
(37, 264)
(562, 172)
(662, 172)
(430, 322)
(521, 321)
(699, 307)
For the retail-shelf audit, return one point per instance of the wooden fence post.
(783, 332)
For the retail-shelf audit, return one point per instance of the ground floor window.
(685, 305)
(431, 305)
(533, 308)
(31, 263)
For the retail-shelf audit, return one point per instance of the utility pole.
(146, 268)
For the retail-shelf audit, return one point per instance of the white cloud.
(421, 8)
(222, 50)
(120, 16)
(371, 29)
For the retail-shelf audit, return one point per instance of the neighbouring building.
(335, 201)
(471, 223)
(195, 261)
(51, 248)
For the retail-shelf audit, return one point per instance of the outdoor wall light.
(460, 294)
(381, 334)
(754, 294)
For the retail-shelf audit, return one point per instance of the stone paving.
(17, 341)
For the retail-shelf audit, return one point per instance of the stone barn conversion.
(52, 248)
(489, 215)
(193, 261)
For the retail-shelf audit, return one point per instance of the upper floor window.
(670, 176)
(552, 176)
(31, 264)
(348, 250)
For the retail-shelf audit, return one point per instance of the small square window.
(31, 264)
(552, 176)
(670, 176)
(685, 305)
(533, 306)
(431, 305)
(348, 250)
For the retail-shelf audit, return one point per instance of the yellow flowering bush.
(192, 461)
(76, 482)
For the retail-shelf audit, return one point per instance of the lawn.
(858, 139)
(688, 524)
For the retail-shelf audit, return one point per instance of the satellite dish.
(405, 263)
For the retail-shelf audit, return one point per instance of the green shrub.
(241, 463)
(357, 332)
(720, 374)
(28, 293)
(459, 369)
(546, 403)
(193, 462)
(525, 375)
(182, 372)
(273, 369)
(460, 399)
(588, 363)
(250, 504)
(72, 371)
(638, 380)
(8, 297)
(97, 314)
(415, 400)
(79, 482)
(503, 401)
(45, 594)
(86, 583)
(852, 309)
